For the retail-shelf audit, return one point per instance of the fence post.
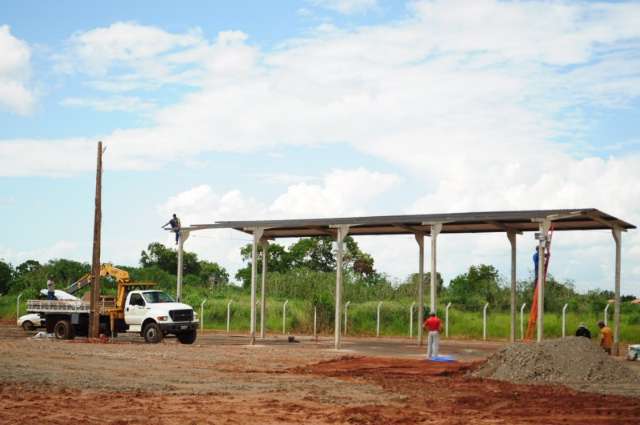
(378, 320)
(228, 314)
(18, 307)
(606, 311)
(411, 319)
(346, 309)
(202, 314)
(284, 316)
(446, 320)
(315, 322)
(522, 321)
(484, 321)
(564, 320)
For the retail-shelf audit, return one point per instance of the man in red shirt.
(433, 325)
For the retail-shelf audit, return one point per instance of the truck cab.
(154, 314)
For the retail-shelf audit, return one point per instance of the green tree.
(481, 284)
(28, 267)
(213, 274)
(6, 273)
(158, 255)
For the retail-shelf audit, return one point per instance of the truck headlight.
(162, 318)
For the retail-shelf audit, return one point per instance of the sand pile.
(573, 361)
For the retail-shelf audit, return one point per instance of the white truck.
(151, 313)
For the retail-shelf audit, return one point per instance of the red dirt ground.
(422, 392)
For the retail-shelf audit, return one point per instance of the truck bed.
(66, 306)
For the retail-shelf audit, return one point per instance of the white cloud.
(346, 7)
(60, 249)
(111, 104)
(14, 73)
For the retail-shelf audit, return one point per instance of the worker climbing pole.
(533, 316)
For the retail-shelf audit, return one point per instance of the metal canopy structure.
(420, 225)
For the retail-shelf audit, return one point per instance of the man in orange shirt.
(606, 337)
(433, 325)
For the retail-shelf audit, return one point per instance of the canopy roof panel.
(468, 222)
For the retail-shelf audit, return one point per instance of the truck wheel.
(152, 333)
(63, 330)
(27, 325)
(188, 337)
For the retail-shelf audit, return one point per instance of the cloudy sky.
(253, 110)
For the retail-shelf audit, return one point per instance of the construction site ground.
(223, 380)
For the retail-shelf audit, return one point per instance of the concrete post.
(435, 231)
(202, 314)
(284, 317)
(420, 239)
(184, 235)
(512, 322)
(617, 237)
(484, 321)
(229, 314)
(315, 322)
(257, 235)
(342, 231)
(606, 314)
(18, 307)
(446, 320)
(263, 308)
(522, 321)
(346, 312)
(378, 319)
(411, 319)
(564, 320)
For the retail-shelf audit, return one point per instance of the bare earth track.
(221, 380)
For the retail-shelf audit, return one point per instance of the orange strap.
(533, 315)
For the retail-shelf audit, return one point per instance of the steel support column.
(512, 331)
(257, 235)
(617, 237)
(435, 231)
(184, 235)
(544, 230)
(342, 231)
(263, 308)
(420, 239)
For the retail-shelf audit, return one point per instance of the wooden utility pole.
(94, 307)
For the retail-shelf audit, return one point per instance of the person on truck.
(433, 325)
(51, 289)
(175, 226)
(606, 337)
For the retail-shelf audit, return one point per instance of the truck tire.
(152, 333)
(188, 337)
(63, 329)
(27, 325)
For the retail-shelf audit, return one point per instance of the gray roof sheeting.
(469, 222)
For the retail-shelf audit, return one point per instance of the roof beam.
(601, 220)
(505, 227)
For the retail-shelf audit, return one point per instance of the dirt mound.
(573, 361)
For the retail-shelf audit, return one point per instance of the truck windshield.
(156, 297)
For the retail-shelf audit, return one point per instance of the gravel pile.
(573, 361)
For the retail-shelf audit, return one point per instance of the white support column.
(378, 319)
(435, 231)
(18, 307)
(617, 237)
(512, 330)
(184, 235)
(544, 230)
(263, 308)
(413, 304)
(342, 231)
(257, 235)
(315, 322)
(420, 239)
(446, 320)
(484, 321)
(606, 314)
(564, 320)
(522, 321)
(346, 316)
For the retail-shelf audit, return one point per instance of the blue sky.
(221, 110)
